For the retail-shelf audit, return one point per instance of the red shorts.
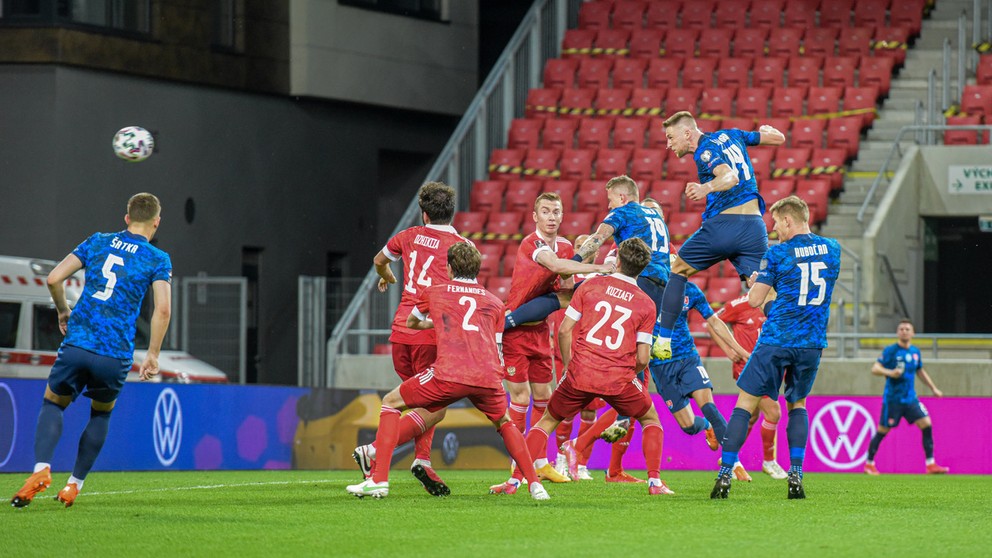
(410, 360)
(527, 355)
(566, 401)
(595, 405)
(427, 392)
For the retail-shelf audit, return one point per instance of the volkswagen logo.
(449, 448)
(841, 433)
(167, 427)
(8, 416)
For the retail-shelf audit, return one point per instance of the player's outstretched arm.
(567, 268)
(922, 373)
(386, 277)
(770, 136)
(590, 248)
(56, 287)
(721, 333)
(162, 294)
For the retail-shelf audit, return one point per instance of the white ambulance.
(30, 336)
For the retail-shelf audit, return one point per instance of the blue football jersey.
(802, 271)
(683, 346)
(903, 388)
(119, 269)
(633, 219)
(728, 147)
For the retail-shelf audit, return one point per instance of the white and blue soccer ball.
(133, 144)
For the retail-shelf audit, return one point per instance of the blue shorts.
(742, 239)
(654, 288)
(893, 412)
(76, 369)
(676, 380)
(764, 372)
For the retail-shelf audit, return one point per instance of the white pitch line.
(203, 487)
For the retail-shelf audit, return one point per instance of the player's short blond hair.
(793, 206)
(634, 256)
(143, 207)
(465, 260)
(547, 196)
(625, 185)
(682, 117)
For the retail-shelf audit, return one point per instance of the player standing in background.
(98, 348)
(732, 226)
(605, 339)
(746, 323)
(469, 324)
(802, 270)
(423, 250)
(900, 363)
(543, 266)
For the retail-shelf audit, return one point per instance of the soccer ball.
(133, 144)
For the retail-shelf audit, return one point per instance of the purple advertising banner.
(840, 429)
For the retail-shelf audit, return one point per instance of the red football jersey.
(424, 251)
(468, 320)
(531, 279)
(612, 316)
(746, 322)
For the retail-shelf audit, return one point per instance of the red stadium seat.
(663, 73)
(698, 16)
(984, 71)
(629, 72)
(820, 41)
(823, 100)
(540, 164)
(662, 14)
(856, 41)
(783, 125)
(870, 13)
(647, 103)
(717, 100)
(768, 72)
(727, 269)
(693, 206)
(769, 224)
(831, 162)
(574, 224)
(611, 42)
(698, 72)
(594, 133)
(715, 43)
(816, 195)
(784, 41)
(668, 193)
(559, 133)
(499, 286)
(804, 71)
(656, 134)
(559, 73)
(524, 133)
(836, 13)
(682, 169)
(645, 165)
(610, 103)
(611, 162)
(681, 225)
(845, 133)
(594, 72)
(577, 43)
(520, 194)
(766, 13)
(646, 43)
(595, 15)
(908, 14)
(876, 71)
(722, 290)
(565, 190)
(801, 14)
(739, 123)
(891, 42)
(542, 103)
(591, 196)
(491, 255)
(963, 137)
(576, 103)
(469, 222)
(790, 160)
(486, 195)
(808, 133)
(681, 98)
(700, 280)
(629, 14)
(504, 227)
(732, 13)
(750, 42)
(977, 99)
(681, 42)
(788, 102)
(861, 98)
(503, 163)
(576, 164)
(733, 72)
(708, 125)
(776, 189)
(839, 71)
(629, 133)
(761, 160)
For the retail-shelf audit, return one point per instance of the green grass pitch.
(308, 513)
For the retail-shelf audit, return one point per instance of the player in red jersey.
(543, 266)
(424, 251)
(605, 340)
(468, 321)
(746, 321)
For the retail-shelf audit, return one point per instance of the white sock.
(931, 461)
(654, 482)
(77, 482)
(538, 463)
(41, 467)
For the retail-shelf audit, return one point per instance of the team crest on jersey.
(511, 370)
(705, 157)
(540, 244)
(763, 265)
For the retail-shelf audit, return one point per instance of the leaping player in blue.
(802, 271)
(732, 226)
(98, 348)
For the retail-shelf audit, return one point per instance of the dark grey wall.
(295, 177)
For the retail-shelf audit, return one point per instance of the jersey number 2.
(108, 272)
(467, 300)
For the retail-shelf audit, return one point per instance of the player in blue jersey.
(900, 363)
(802, 270)
(98, 349)
(732, 226)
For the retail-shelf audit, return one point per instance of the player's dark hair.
(143, 207)
(793, 206)
(679, 118)
(437, 200)
(906, 321)
(634, 256)
(465, 260)
(624, 184)
(549, 196)
(659, 209)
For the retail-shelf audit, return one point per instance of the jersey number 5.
(108, 272)
(612, 343)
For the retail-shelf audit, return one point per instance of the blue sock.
(91, 442)
(736, 433)
(533, 310)
(48, 431)
(798, 434)
(716, 420)
(671, 305)
(696, 427)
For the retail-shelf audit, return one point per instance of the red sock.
(616, 453)
(385, 438)
(585, 454)
(517, 448)
(410, 426)
(424, 443)
(589, 436)
(652, 442)
(768, 434)
(518, 415)
(564, 432)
